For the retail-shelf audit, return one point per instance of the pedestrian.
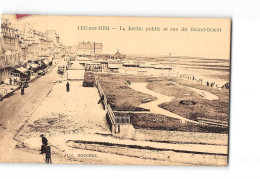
(44, 144)
(101, 99)
(128, 81)
(45, 149)
(10, 80)
(48, 155)
(227, 85)
(44, 140)
(22, 90)
(68, 87)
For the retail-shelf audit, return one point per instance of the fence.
(114, 121)
(213, 122)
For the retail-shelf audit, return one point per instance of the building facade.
(11, 52)
(89, 48)
(20, 47)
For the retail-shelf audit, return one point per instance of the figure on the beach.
(128, 82)
(227, 85)
(212, 84)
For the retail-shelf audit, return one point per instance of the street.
(46, 108)
(44, 97)
(17, 109)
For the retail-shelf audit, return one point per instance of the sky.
(178, 43)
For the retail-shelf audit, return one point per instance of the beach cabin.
(130, 64)
(114, 68)
(75, 71)
(163, 67)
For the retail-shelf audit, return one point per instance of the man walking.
(46, 149)
(44, 140)
(10, 81)
(44, 144)
(68, 87)
(22, 90)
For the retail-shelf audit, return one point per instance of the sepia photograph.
(114, 90)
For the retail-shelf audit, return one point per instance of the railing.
(110, 112)
(212, 122)
(113, 120)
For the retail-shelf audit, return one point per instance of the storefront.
(19, 74)
(45, 63)
(34, 67)
(4, 74)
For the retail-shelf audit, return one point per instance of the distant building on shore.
(118, 55)
(89, 48)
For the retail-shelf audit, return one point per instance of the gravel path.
(153, 105)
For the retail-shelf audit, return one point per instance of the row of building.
(26, 48)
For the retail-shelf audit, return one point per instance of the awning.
(35, 66)
(22, 70)
(46, 62)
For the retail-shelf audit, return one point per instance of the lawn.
(215, 109)
(123, 98)
(120, 96)
(161, 122)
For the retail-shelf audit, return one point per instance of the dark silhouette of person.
(44, 144)
(22, 90)
(68, 87)
(46, 149)
(101, 99)
(48, 155)
(44, 140)
(128, 82)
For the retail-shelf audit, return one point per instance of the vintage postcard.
(114, 90)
